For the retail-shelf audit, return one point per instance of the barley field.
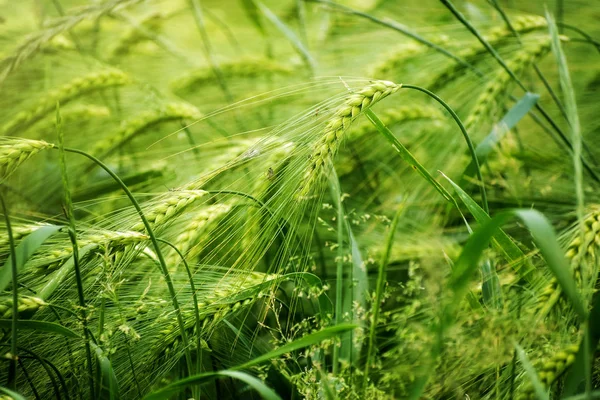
(300, 199)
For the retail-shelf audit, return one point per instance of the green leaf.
(14, 395)
(258, 385)
(25, 250)
(406, 155)
(298, 344)
(510, 120)
(43, 326)
(109, 387)
(501, 241)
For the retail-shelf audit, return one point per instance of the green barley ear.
(14, 152)
(552, 369)
(353, 106)
(135, 126)
(169, 206)
(64, 94)
(581, 251)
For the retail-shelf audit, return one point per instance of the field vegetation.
(299, 199)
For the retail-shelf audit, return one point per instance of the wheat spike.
(14, 152)
(326, 147)
(241, 68)
(137, 125)
(553, 369)
(497, 86)
(168, 207)
(64, 94)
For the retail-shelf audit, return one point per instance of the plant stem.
(12, 372)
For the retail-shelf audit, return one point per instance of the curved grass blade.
(25, 250)
(288, 33)
(108, 386)
(501, 241)
(298, 344)
(572, 114)
(43, 326)
(256, 384)
(13, 395)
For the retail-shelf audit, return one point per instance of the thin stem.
(381, 274)
(12, 372)
(73, 238)
(158, 252)
(467, 139)
(195, 302)
(405, 31)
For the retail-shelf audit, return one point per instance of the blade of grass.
(42, 326)
(108, 387)
(289, 34)
(256, 384)
(13, 395)
(339, 281)
(509, 121)
(501, 240)
(572, 114)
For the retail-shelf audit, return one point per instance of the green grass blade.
(42, 326)
(531, 374)
(508, 122)
(572, 114)
(407, 156)
(289, 34)
(256, 384)
(501, 241)
(25, 250)
(13, 395)
(108, 385)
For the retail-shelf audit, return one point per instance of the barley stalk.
(27, 306)
(326, 147)
(190, 237)
(133, 127)
(241, 68)
(491, 92)
(496, 37)
(64, 94)
(14, 152)
(580, 249)
(552, 369)
(167, 207)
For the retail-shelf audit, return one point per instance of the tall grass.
(248, 199)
